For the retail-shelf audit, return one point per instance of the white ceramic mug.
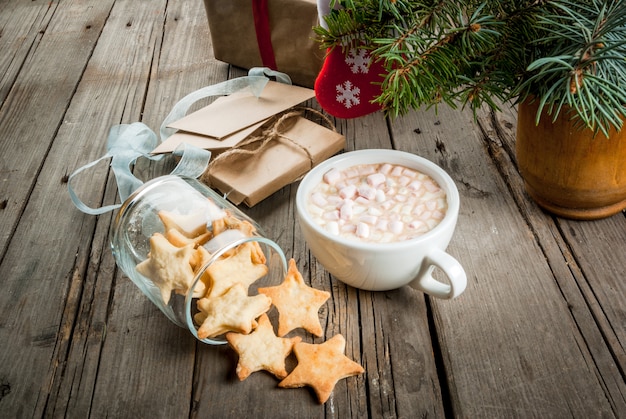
(386, 266)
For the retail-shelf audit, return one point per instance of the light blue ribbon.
(127, 142)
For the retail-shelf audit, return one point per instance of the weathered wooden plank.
(133, 378)
(510, 344)
(574, 263)
(37, 269)
(354, 313)
(396, 345)
(38, 99)
(185, 61)
(111, 91)
(600, 249)
(22, 25)
(84, 325)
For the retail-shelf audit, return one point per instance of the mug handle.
(450, 266)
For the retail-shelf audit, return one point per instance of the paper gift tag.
(240, 111)
(230, 119)
(207, 143)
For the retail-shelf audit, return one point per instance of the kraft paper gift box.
(259, 144)
(252, 173)
(267, 33)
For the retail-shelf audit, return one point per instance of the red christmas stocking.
(345, 86)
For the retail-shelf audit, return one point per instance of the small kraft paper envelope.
(258, 148)
(230, 119)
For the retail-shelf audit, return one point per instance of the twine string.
(257, 144)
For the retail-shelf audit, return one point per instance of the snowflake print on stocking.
(347, 83)
(348, 95)
(358, 60)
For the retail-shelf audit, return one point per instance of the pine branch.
(479, 52)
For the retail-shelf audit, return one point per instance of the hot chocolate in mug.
(380, 266)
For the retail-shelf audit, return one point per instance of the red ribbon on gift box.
(260, 10)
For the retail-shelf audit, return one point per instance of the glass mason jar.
(169, 234)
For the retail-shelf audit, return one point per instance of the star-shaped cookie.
(190, 225)
(241, 267)
(229, 221)
(233, 311)
(168, 266)
(321, 366)
(199, 258)
(297, 303)
(261, 350)
(180, 240)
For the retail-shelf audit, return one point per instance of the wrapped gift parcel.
(259, 144)
(267, 33)
(280, 154)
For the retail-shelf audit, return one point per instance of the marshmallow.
(377, 203)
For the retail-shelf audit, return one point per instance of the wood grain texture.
(569, 260)
(530, 304)
(539, 332)
(21, 28)
(38, 264)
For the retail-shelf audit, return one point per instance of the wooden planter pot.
(568, 171)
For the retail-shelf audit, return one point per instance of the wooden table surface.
(539, 332)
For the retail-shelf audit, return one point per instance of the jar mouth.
(271, 260)
(183, 212)
(133, 198)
